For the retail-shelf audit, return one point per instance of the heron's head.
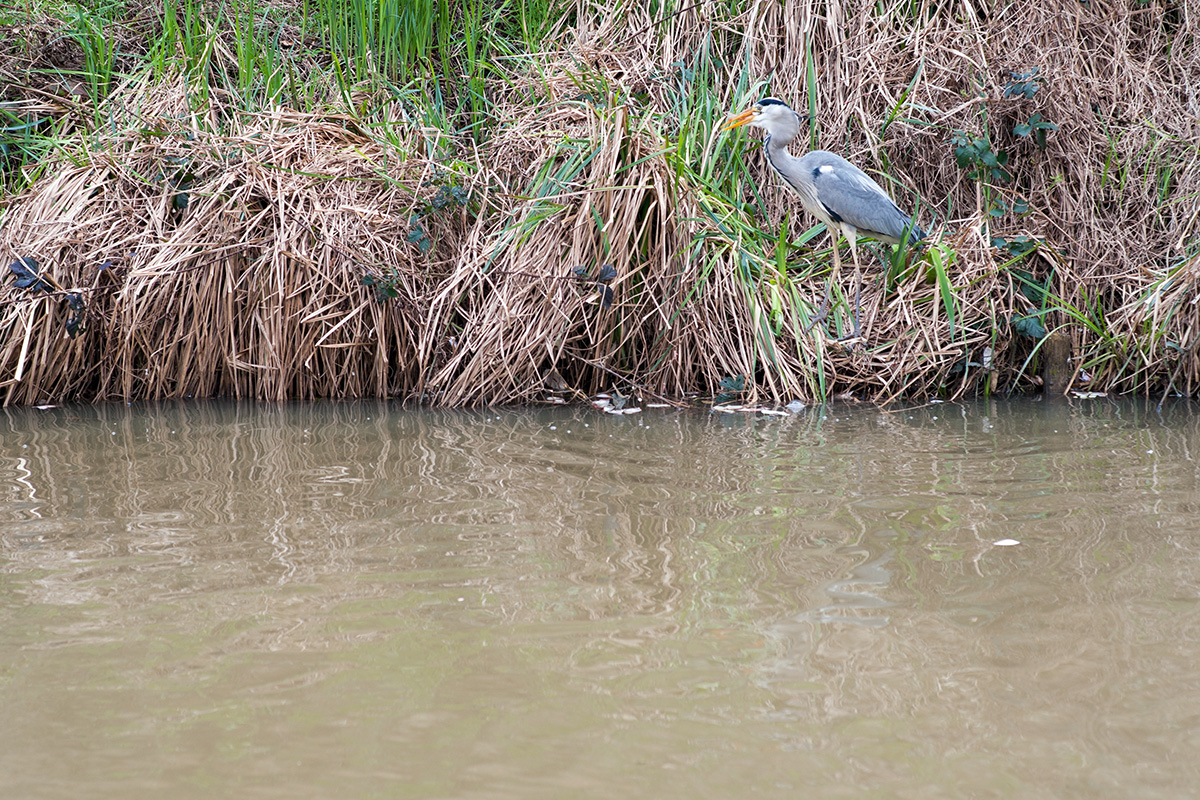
(774, 116)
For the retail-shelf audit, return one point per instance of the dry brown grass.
(256, 287)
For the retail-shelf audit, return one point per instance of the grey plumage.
(830, 188)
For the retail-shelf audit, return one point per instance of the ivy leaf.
(26, 270)
(730, 387)
(1030, 327)
(384, 289)
(76, 321)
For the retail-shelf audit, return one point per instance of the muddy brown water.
(357, 600)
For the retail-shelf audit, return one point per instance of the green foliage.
(417, 235)
(1037, 292)
(33, 281)
(1029, 325)
(1017, 246)
(76, 322)
(383, 287)
(1023, 84)
(24, 141)
(185, 32)
(1000, 208)
(941, 259)
(448, 195)
(1037, 126)
(88, 29)
(975, 154)
(26, 270)
(731, 387)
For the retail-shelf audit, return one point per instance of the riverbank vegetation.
(493, 201)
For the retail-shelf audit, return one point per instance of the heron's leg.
(857, 289)
(823, 311)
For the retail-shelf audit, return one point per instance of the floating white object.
(1006, 543)
(770, 412)
(1089, 395)
(622, 411)
(658, 405)
(795, 406)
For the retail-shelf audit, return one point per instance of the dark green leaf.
(76, 321)
(26, 270)
(384, 290)
(1030, 327)
(733, 385)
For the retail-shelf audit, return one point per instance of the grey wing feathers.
(851, 196)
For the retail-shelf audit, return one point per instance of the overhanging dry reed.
(256, 287)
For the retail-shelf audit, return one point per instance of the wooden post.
(1056, 364)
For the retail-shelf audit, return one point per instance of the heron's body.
(858, 202)
(830, 188)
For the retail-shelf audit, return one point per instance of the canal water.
(992, 599)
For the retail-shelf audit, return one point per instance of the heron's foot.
(822, 312)
(818, 319)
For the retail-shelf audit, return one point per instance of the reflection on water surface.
(215, 599)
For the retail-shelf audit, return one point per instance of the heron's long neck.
(781, 160)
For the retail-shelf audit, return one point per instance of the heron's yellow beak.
(741, 119)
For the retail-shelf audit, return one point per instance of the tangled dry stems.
(256, 287)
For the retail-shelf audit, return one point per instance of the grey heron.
(831, 189)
